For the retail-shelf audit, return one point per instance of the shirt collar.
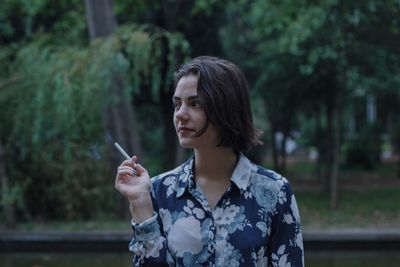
(242, 172)
(184, 176)
(240, 176)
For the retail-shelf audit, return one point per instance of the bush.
(395, 140)
(365, 149)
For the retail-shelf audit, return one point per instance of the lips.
(183, 130)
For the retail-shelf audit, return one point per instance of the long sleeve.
(287, 241)
(148, 244)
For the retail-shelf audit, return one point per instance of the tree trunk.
(328, 147)
(169, 11)
(119, 121)
(333, 147)
(174, 153)
(394, 131)
(398, 165)
(166, 92)
(334, 170)
(100, 18)
(319, 140)
(119, 118)
(283, 153)
(170, 140)
(275, 152)
(8, 207)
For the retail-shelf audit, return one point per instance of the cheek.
(174, 120)
(202, 121)
(201, 117)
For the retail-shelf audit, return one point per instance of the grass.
(366, 198)
(356, 209)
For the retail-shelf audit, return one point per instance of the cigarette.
(122, 151)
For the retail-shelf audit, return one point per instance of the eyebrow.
(188, 98)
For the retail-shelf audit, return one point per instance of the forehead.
(186, 87)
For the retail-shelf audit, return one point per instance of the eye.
(176, 104)
(195, 103)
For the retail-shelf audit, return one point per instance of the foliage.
(52, 124)
(364, 150)
(199, 21)
(20, 20)
(303, 56)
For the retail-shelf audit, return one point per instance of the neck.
(216, 163)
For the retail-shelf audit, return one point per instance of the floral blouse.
(255, 223)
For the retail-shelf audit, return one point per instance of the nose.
(182, 113)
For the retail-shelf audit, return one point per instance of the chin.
(185, 145)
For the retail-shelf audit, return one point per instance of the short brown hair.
(224, 93)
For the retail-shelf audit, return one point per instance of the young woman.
(218, 208)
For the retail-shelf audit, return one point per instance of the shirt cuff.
(147, 230)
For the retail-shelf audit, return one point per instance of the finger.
(128, 162)
(125, 170)
(123, 178)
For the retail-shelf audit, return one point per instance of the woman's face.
(190, 118)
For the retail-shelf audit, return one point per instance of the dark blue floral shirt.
(255, 223)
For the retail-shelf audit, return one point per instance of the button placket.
(211, 236)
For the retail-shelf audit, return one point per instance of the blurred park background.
(77, 75)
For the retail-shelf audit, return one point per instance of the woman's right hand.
(133, 182)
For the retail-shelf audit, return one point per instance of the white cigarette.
(122, 151)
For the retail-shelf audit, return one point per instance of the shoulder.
(262, 175)
(248, 175)
(269, 188)
(270, 175)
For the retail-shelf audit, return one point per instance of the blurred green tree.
(53, 95)
(310, 58)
